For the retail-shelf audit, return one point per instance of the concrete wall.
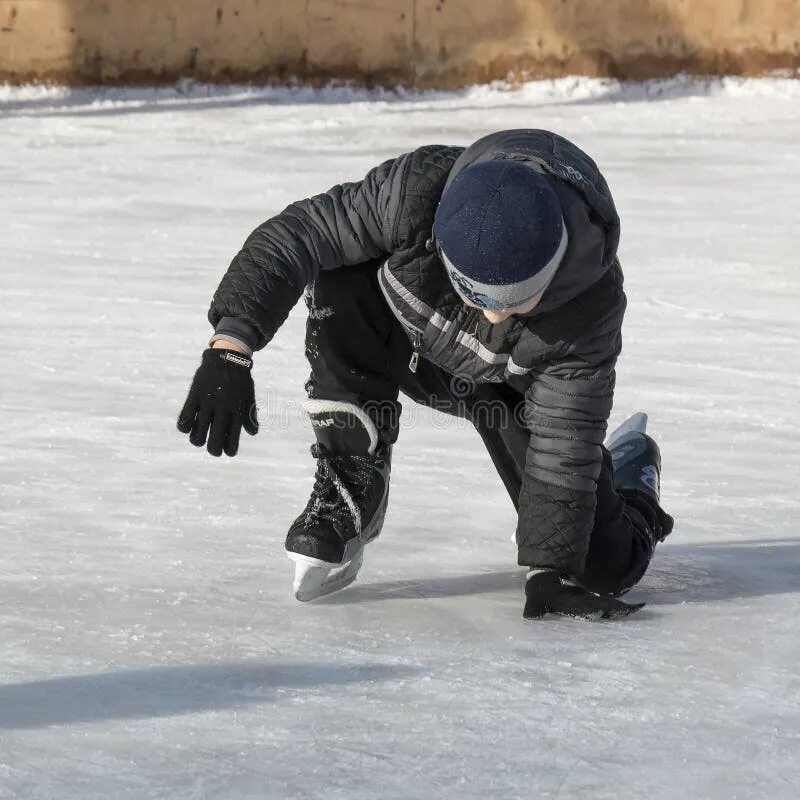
(418, 42)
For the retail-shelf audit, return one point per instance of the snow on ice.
(150, 643)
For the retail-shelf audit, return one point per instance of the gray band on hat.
(498, 297)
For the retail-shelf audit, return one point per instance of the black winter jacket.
(561, 355)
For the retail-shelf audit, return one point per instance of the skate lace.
(340, 483)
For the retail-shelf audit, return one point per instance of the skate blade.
(314, 578)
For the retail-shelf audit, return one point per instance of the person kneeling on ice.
(470, 279)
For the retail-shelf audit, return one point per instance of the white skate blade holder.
(315, 578)
(636, 423)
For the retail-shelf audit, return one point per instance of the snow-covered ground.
(149, 643)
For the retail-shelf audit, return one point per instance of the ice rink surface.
(149, 643)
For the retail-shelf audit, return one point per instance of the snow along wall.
(429, 43)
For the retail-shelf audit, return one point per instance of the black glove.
(546, 593)
(222, 397)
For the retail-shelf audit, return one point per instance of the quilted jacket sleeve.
(350, 224)
(566, 410)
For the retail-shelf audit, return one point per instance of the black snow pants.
(359, 353)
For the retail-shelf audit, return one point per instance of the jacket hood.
(591, 218)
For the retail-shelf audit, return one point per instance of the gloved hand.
(222, 398)
(546, 593)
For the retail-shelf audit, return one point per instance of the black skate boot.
(348, 502)
(637, 472)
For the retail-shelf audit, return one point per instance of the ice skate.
(348, 502)
(637, 467)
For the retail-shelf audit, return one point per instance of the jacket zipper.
(416, 344)
(414, 333)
